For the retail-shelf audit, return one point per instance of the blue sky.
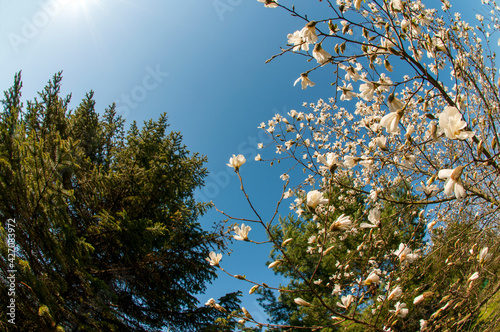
(202, 62)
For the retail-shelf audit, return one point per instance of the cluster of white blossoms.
(410, 140)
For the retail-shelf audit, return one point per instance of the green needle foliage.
(106, 231)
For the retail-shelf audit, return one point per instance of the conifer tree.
(105, 223)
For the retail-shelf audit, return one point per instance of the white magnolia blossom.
(269, 3)
(453, 184)
(315, 198)
(418, 299)
(428, 190)
(395, 294)
(396, 5)
(484, 255)
(241, 233)
(423, 324)
(302, 302)
(214, 259)
(473, 277)
(367, 90)
(394, 103)
(450, 120)
(330, 160)
(405, 254)
(391, 121)
(373, 278)
(374, 218)
(322, 56)
(351, 72)
(350, 161)
(400, 309)
(343, 222)
(308, 33)
(346, 301)
(236, 161)
(347, 93)
(381, 142)
(274, 264)
(305, 81)
(298, 42)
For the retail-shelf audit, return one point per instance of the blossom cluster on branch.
(410, 138)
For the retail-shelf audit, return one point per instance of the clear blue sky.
(202, 62)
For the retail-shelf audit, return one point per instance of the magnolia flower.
(322, 56)
(308, 33)
(450, 120)
(374, 218)
(314, 198)
(409, 160)
(453, 183)
(236, 161)
(473, 277)
(210, 303)
(343, 222)
(386, 43)
(390, 122)
(484, 255)
(396, 5)
(330, 160)
(366, 162)
(305, 81)
(269, 3)
(367, 90)
(274, 264)
(350, 161)
(373, 278)
(346, 301)
(400, 309)
(298, 42)
(418, 299)
(302, 302)
(405, 254)
(423, 324)
(431, 225)
(214, 259)
(428, 190)
(347, 93)
(394, 103)
(395, 293)
(241, 233)
(381, 142)
(351, 72)
(357, 4)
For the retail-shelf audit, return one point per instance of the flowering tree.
(421, 138)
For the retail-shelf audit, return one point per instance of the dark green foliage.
(107, 235)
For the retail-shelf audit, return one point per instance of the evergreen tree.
(106, 231)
